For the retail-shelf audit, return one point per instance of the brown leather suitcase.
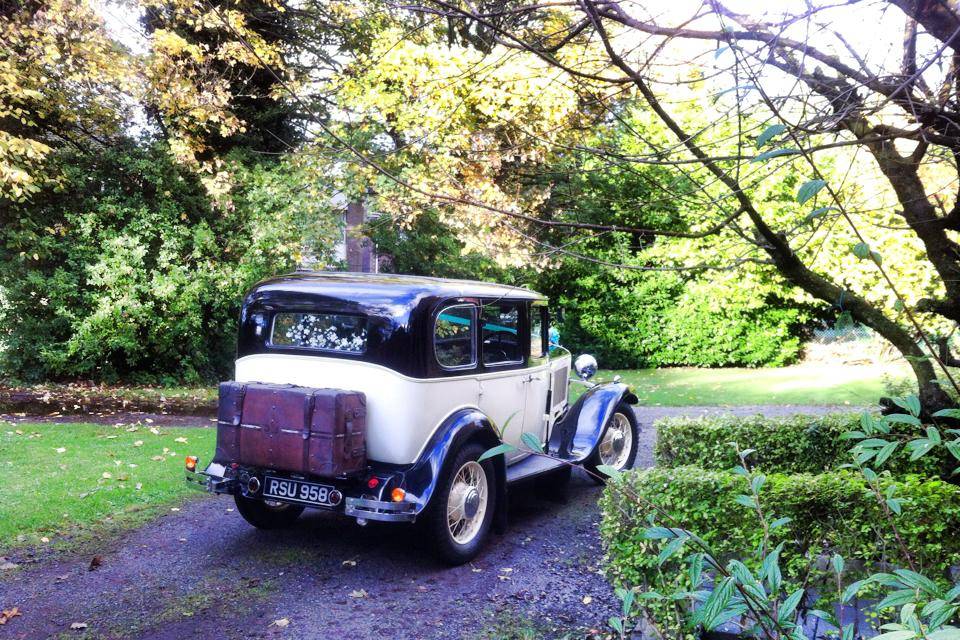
(284, 427)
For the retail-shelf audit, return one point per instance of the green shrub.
(656, 319)
(794, 444)
(129, 271)
(831, 512)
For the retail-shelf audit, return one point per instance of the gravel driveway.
(203, 572)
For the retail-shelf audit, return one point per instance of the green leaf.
(779, 522)
(819, 213)
(496, 451)
(769, 133)
(837, 562)
(897, 599)
(920, 448)
(911, 403)
(660, 533)
(696, 570)
(852, 589)
(610, 472)
(954, 448)
(847, 632)
(876, 257)
(531, 441)
(824, 615)
(861, 250)
(942, 616)
(790, 606)
(668, 551)
(617, 624)
(903, 418)
(886, 452)
(917, 581)
(948, 413)
(809, 189)
(933, 435)
(944, 634)
(746, 501)
(775, 153)
(894, 504)
(897, 635)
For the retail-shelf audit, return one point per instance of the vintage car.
(376, 396)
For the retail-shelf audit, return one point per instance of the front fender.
(576, 435)
(421, 478)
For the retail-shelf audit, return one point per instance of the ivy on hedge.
(794, 444)
(831, 512)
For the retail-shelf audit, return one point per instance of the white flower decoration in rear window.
(321, 331)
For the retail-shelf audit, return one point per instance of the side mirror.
(585, 365)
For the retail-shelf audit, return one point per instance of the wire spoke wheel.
(467, 502)
(617, 442)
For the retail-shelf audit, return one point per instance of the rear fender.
(577, 434)
(420, 479)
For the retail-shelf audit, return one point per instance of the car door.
(503, 382)
(537, 380)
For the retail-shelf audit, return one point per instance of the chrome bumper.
(366, 509)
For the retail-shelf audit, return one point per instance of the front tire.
(265, 515)
(462, 507)
(618, 445)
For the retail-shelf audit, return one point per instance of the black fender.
(579, 431)
(465, 425)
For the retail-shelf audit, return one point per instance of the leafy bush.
(129, 271)
(658, 319)
(794, 444)
(831, 512)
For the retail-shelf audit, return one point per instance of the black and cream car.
(449, 369)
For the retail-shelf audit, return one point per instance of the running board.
(531, 467)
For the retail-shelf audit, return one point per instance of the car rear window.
(322, 331)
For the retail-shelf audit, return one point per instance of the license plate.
(298, 491)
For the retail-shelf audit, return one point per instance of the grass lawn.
(68, 482)
(802, 384)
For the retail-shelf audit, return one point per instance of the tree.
(790, 88)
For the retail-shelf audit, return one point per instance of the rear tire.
(618, 445)
(267, 516)
(461, 510)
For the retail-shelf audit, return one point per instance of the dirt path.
(203, 572)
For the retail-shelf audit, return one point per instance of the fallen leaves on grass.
(9, 614)
(61, 449)
(359, 593)
(282, 622)
(587, 599)
(7, 565)
(77, 626)
(95, 562)
(181, 440)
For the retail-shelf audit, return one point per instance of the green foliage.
(657, 319)
(831, 512)
(794, 444)
(130, 272)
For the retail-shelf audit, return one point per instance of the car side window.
(536, 332)
(500, 331)
(453, 337)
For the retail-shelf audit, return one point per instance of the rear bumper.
(212, 479)
(367, 509)
(357, 503)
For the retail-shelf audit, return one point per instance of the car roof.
(360, 286)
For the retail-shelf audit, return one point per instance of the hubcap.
(617, 442)
(467, 503)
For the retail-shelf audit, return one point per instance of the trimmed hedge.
(795, 444)
(831, 512)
